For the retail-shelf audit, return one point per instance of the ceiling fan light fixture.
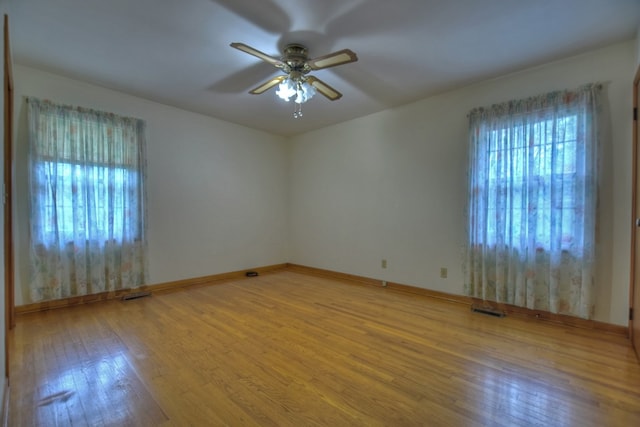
(286, 89)
(304, 92)
(298, 88)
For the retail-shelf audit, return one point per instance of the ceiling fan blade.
(324, 88)
(340, 57)
(255, 52)
(267, 85)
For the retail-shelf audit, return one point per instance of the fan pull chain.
(297, 110)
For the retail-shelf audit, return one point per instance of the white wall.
(393, 185)
(217, 192)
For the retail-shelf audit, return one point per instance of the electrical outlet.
(383, 263)
(443, 272)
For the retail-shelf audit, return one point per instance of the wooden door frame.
(634, 213)
(8, 186)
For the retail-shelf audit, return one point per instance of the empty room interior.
(321, 213)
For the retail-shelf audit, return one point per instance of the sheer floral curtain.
(533, 191)
(88, 203)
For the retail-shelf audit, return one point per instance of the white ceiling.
(177, 51)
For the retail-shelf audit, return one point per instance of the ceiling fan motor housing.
(296, 57)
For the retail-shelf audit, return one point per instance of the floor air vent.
(488, 310)
(135, 295)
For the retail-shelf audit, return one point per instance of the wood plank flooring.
(287, 349)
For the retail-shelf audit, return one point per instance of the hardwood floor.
(286, 349)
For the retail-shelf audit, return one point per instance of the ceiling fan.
(297, 65)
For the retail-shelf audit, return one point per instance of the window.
(532, 167)
(85, 197)
(533, 190)
(88, 215)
